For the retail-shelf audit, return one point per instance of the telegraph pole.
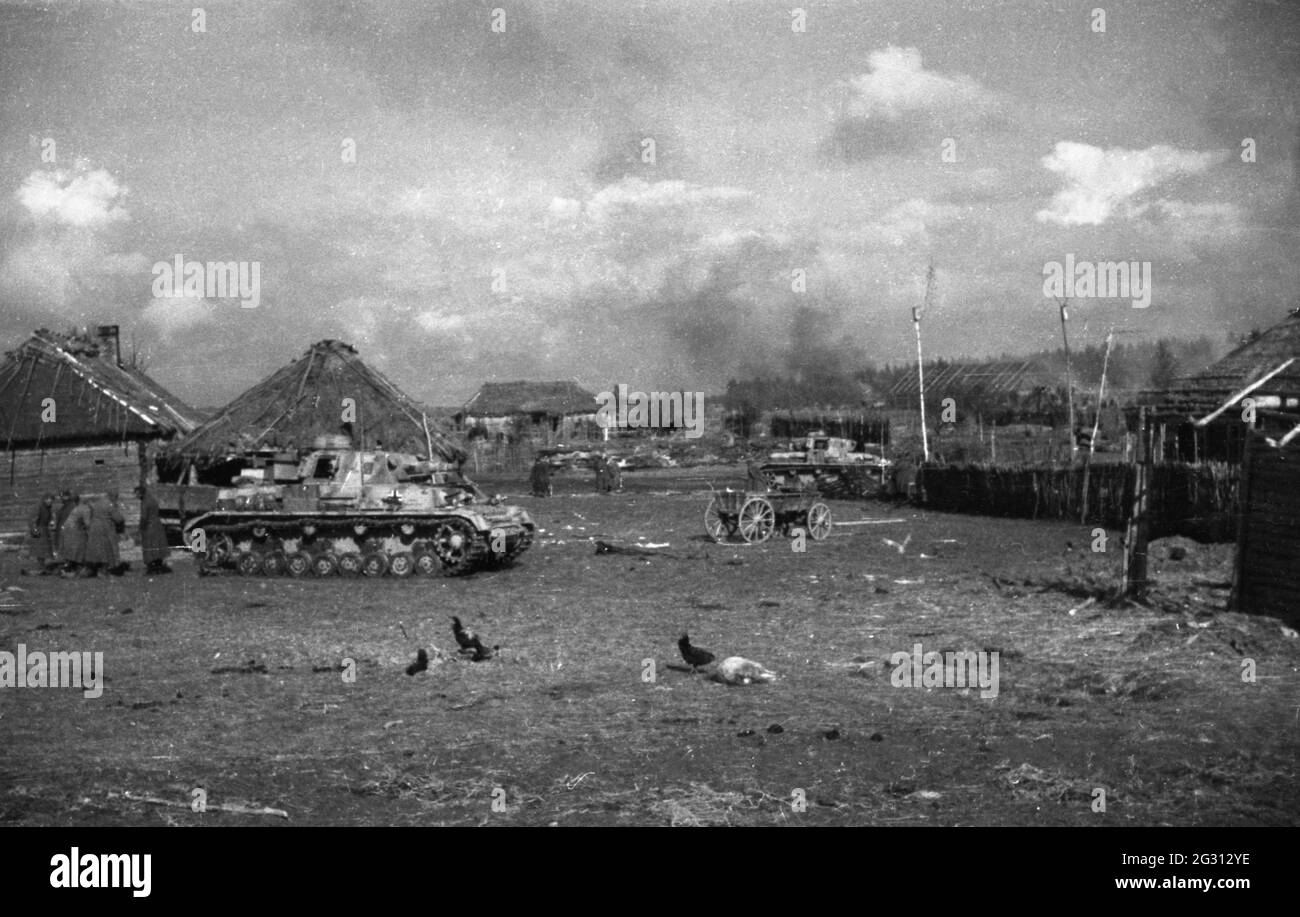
(920, 366)
(1069, 381)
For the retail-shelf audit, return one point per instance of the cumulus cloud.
(81, 197)
(898, 84)
(899, 105)
(1101, 184)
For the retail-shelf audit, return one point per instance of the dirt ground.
(237, 685)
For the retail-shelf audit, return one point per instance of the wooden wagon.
(755, 516)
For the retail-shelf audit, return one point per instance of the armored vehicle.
(350, 512)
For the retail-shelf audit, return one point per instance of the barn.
(328, 391)
(547, 412)
(73, 416)
(1175, 411)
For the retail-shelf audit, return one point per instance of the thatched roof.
(1198, 395)
(305, 399)
(96, 401)
(504, 399)
(971, 380)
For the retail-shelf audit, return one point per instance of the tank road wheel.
(248, 563)
(714, 523)
(298, 564)
(819, 521)
(757, 520)
(350, 564)
(427, 563)
(324, 564)
(401, 564)
(220, 549)
(453, 541)
(273, 563)
(374, 564)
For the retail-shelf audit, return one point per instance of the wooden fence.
(1194, 500)
(1266, 579)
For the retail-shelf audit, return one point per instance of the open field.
(235, 684)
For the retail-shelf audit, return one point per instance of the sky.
(653, 194)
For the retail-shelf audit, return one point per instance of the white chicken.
(737, 670)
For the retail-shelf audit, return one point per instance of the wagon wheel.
(453, 542)
(248, 563)
(819, 521)
(757, 520)
(715, 523)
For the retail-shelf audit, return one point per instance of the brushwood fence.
(1199, 501)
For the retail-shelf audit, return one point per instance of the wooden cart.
(754, 516)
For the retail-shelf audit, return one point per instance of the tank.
(349, 512)
(827, 464)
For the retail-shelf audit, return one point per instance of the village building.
(537, 412)
(74, 417)
(327, 392)
(1204, 417)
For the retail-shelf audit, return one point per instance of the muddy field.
(237, 685)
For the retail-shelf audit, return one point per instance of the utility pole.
(920, 366)
(1069, 381)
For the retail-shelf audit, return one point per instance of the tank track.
(278, 546)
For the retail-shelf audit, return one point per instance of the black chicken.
(466, 639)
(421, 663)
(694, 656)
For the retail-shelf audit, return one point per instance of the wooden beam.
(1243, 393)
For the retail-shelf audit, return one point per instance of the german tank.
(350, 512)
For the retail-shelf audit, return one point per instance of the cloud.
(899, 106)
(1101, 184)
(899, 85)
(81, 197)
(635, 197)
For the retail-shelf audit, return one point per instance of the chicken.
(465, 638)
(737, 670)
(470, 644)
(421, 663)
(694, 656)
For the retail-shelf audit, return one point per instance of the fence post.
(1138, 529)
(1243, 504)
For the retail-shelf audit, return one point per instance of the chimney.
(109, 337)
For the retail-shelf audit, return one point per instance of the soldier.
(42, 548)
(153, 538)
(600, 474)
(613, 475)
(541, 478)
(72, 536)
(101, 537)
(66, 504)
(754, 479)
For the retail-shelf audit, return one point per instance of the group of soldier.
(609, 476)
(79, 538)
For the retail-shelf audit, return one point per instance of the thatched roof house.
(328, 390)
(73, 417)
(96, 400)
(552, 408)
(1201, 415)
